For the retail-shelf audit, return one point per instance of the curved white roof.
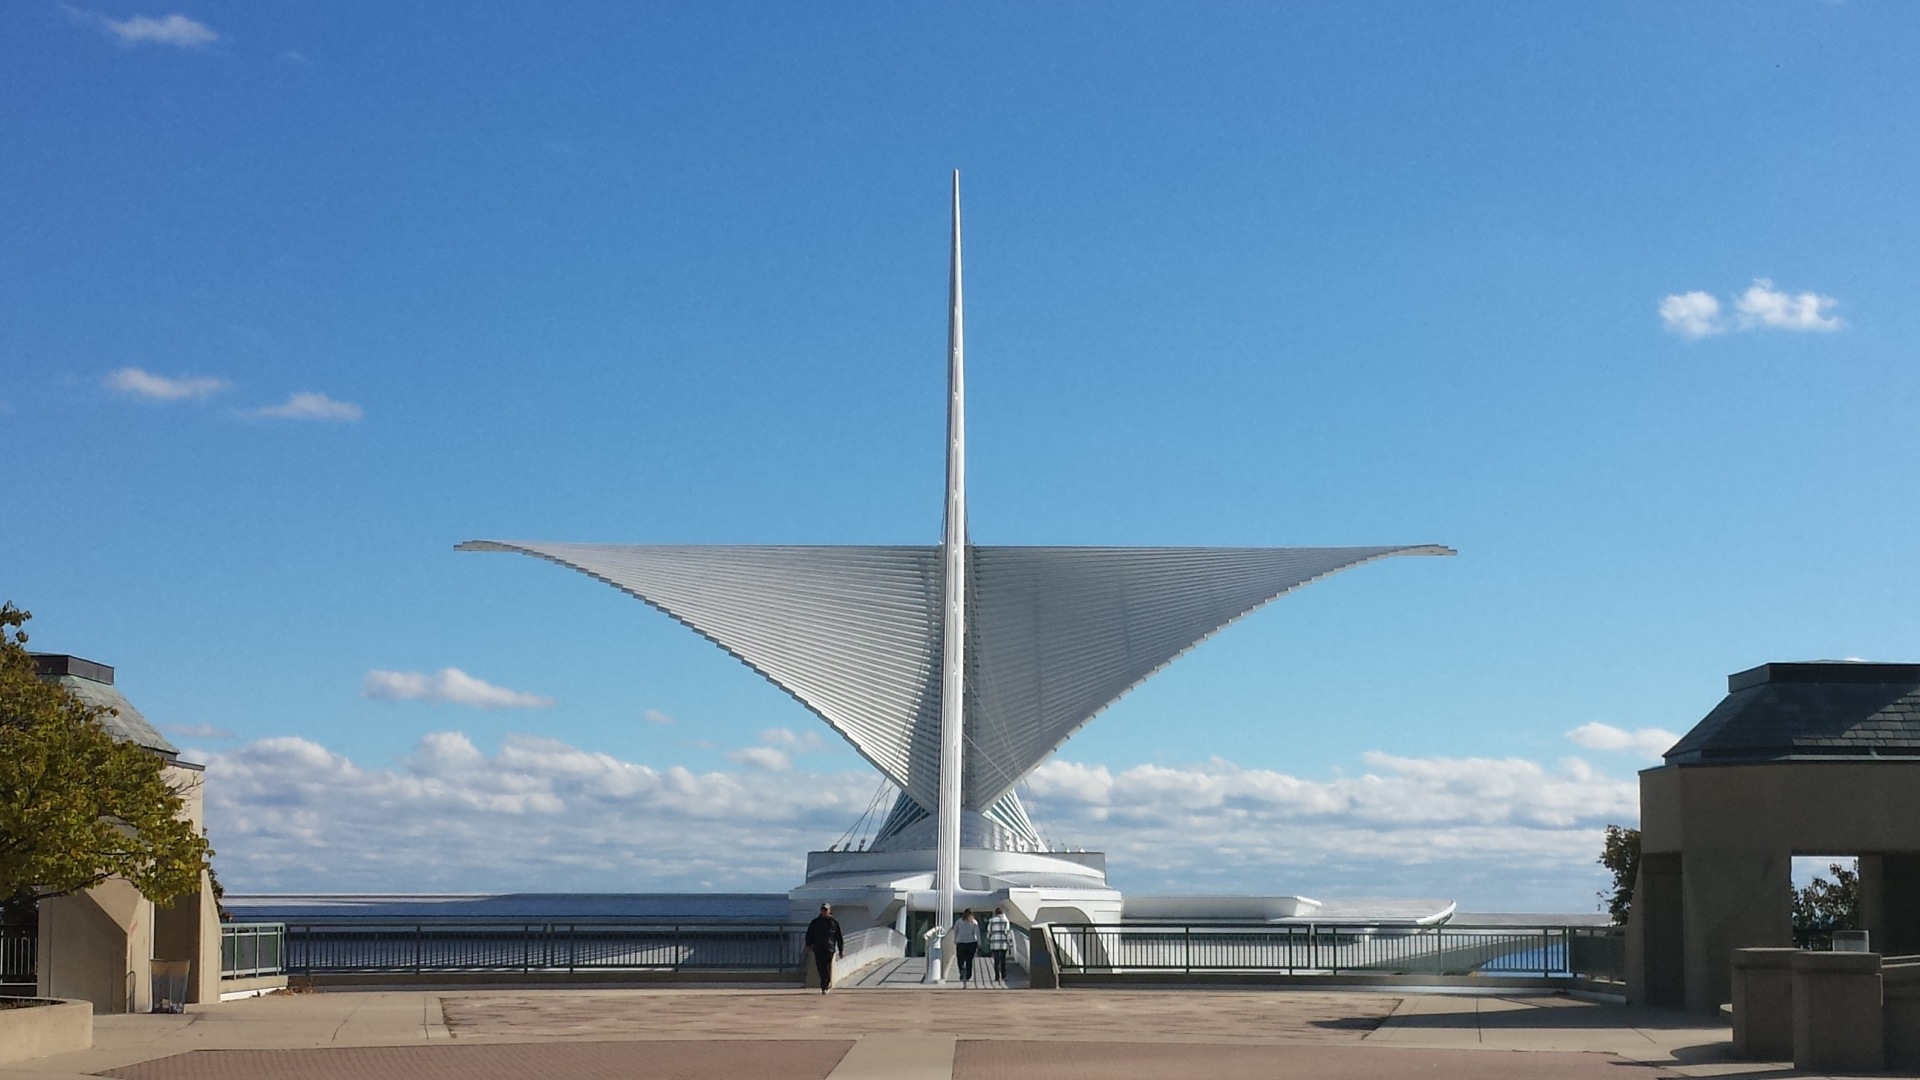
(1054, 634)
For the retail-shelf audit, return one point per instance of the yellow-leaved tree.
(78, 806)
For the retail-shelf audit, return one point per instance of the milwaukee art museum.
(955, 669)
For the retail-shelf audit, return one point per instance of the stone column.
(1763, 1004)
(1837, 1021)
(1734, 900)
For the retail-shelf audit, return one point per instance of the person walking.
(966, 941)
(999, 940)
(824, 941)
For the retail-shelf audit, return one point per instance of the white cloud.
(449, 685)
(288, 814)
(1646, 742)
(787, 739)
(1494, 834)
(198, 731)
(175, 30)
(148, 386)
(655, 716)
(1691, 315)
(1764, 305)
(762, 757)
(310, 406)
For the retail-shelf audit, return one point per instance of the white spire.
(953, 549)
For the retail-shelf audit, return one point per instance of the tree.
(78, 806)
(1621, 855)
(1825, 906)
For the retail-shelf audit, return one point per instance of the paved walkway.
(905, 973)
(907, 1034)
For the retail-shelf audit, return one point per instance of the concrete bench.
(1827, 1011)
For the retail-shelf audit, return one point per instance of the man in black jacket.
(824, 942)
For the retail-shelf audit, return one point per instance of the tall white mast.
(954, 552)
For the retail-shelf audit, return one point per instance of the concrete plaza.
(897, 1034)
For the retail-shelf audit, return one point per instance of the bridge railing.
(323, 948)
(1567, 952)
(251, 949)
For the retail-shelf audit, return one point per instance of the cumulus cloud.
(1761, 307)
(311, 406)
(777, 753)
(1491, 833)
(1646, 742)
(1692, 315)
(655, 716)
(449, 685)
(787, 739)
(288, 814)
(174, 30)
(768, 758)
(147, 386)
(1764, 305)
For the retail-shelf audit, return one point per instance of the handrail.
(1344, 948)
(545, 946)
(251, 949)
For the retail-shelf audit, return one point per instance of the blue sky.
(1618, 301)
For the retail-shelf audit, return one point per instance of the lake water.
(528, 907)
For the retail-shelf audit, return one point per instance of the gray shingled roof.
(1819, 709)
(93, 684)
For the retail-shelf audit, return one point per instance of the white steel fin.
(852, 632)
(1054, 635)
(1059, 633)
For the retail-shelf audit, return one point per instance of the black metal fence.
(319, 949)
(1587, 952)
(19, 950)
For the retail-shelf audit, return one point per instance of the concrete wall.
(96, 947)
(1727, 835)
(1763, 1004)
(1838, 1025)
(1656, 934)
(1900, 983)
(99, 946)
(1890, 902)
(59, 1027)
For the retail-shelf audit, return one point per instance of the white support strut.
(953, 549)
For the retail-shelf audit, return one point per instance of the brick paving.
(1193, 1015)
(741, 1060)
(1008, 1060)
(909, 1034)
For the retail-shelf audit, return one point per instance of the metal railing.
(1567, 952)
(252, 949)
(318, 949)
(19, 952)
(1814, 938)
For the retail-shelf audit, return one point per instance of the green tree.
(1621, 856)
(78, 806)
(1825, 906)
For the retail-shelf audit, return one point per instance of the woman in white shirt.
(999, 941)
